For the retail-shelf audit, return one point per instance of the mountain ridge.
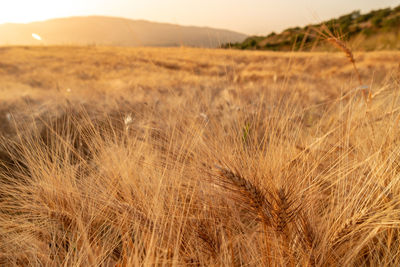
(105, 30)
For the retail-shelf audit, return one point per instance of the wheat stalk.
(346, 229)
(308, 237)
(336, 42)
(349, 54)
(285, 213)
(250, 190)
(258, 201)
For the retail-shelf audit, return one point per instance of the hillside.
(376, 30)
(113, 31)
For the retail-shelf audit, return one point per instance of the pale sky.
(246, 16)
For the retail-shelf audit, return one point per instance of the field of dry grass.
(194, 157)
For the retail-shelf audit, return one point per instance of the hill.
(113, 31)
(376, 30)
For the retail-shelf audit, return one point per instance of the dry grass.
(191, 157)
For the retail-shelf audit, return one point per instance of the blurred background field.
(45, 77)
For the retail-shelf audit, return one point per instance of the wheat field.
(196, 157)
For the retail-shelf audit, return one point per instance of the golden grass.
(193, 157)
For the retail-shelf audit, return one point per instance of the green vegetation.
(376, 30)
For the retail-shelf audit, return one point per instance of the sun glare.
(36, 36)
(38, 10)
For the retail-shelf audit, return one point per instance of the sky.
(246, 16)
